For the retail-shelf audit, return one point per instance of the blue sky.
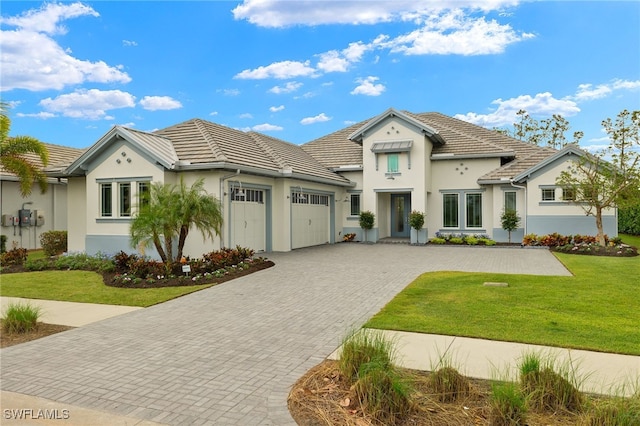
(300, 70)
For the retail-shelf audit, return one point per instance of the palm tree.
(15, 153)
(170, 211)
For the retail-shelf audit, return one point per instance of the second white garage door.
(310, 220)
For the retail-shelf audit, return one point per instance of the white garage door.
(248, 219)
(310, 218)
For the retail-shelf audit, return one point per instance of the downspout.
(222, 179)
(526, 212)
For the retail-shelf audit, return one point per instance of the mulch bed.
(323, 397)
(255, 266)
(42, 330)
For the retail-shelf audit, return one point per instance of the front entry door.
(400, 208)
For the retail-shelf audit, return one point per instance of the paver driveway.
(229, 354)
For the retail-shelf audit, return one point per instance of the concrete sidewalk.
(601, 373)
(69, 313)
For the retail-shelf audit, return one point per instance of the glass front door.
(400, 208)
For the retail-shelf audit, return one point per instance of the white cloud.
(32, 60)
(588, 92)
(246, 115)
(155, 103)
(129, 43)
(275, 13)
(129, 124)
(231, 92)
(290, 86)
(317, 119)
(47, 18)
(213, 113)
(368, 87)
(43, 115)
(331, 61)
(542, 104)
(456, 33)
(266, 127)
(90, 104)
(279, 70)
(276, 108)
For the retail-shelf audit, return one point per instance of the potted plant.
(416, 221)
(367, 219)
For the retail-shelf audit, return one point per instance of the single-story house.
(278, 196)
(40, 212)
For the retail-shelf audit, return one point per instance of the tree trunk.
(184, 231)
(158, 245)
(509, 237)
(601, 240)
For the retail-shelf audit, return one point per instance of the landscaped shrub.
(20, 318)
(436, 240)
(16, 256)
(456, 240)
(362, 347)
(348, 237)
(54, 242)
(629, 220)
(224, 257)
(615, 411)
(3, 243)
(383, 392)
(84, 262)
(531, 240)
(508, 405)
(472, 241)
(448, 384)
(548, 389)
(486, 242)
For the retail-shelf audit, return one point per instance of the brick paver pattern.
(228, 355)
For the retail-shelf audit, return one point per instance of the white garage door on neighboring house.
(310, 219)
(248, 218)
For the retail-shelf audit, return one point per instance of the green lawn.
(597, 309)
(84, 286)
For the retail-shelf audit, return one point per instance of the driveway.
(229, 354)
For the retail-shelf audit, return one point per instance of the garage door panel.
(248, 221)
(310, 217)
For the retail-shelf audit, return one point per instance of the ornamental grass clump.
(615, 411)
(448, 384)
(381, 389)
(547, 386)
(20, 318)
(508, 405)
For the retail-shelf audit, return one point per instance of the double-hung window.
(106, 206)
(124, 200)
(510, 200)
(474, 210)
(568, 194)
(450, 210)
(143, 194)
(355, 205)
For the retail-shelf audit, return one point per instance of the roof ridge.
(213, 145)
(458, 132)
(257, 137)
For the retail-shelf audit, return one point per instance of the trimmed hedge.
(629, 220)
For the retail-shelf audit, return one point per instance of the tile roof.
(335, 149)
(59, 158)
(461, 139)
(202, 142)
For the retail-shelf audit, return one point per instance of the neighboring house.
(41, 212)
(277, 196)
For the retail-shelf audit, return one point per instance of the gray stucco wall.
(112, 244)
(570, 225)
(502, 236)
